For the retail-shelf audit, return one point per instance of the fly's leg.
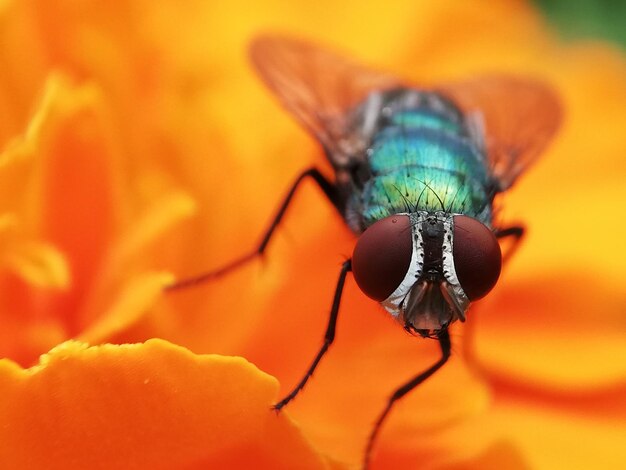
(516, 232)
(444, 341)
(330, 191)
(329, 336)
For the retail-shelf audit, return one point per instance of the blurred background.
(587, 18)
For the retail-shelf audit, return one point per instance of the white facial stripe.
(449, 271)
(393, 302)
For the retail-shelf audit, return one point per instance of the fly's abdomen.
(424, 160)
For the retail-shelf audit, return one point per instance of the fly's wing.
(318, 87)
(520, 116)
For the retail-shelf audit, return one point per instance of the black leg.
(444, 341)
(516, 232)
(330, 191)
(329, 336)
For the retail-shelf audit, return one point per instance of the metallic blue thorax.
(423, 156)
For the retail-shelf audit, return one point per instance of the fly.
(416, 172)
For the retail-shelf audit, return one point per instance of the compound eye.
(382, 256)
(477, 257)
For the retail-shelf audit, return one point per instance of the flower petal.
(127, 307)
(38, 263)
(151, 405)
(160, 216)
(555, 332)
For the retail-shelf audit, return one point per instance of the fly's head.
(426, 268)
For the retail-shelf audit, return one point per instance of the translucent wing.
(519, 116)
(317, 86)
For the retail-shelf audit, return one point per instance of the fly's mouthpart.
(432, 306)
(448, 292)
(425, 333)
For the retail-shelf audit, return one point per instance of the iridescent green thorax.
(423, 157)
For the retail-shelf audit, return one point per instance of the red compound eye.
(382, 255)
(477, 257)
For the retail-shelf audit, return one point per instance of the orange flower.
(121, 120)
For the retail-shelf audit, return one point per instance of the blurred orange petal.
(555, 332)
(75, 227)
(37, 263)
(129, 303)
